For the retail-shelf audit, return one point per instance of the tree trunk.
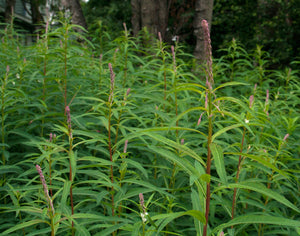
(36, 16)
(203, 11)
(9, 9)
(152, 14)
(136, 16)
(76, 12)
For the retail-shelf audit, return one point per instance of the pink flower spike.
(7, 68)
(125, 146)
(112, 75)
(251, 100)
(206, 101)
(174, 59)
(128, 91)
(42, 178)
(141, 196)
(208, 53)
(182, 141)
(200, 118)
(159, 37)
(285, 137)
(267, 96)
(125, 28)
(47, 26)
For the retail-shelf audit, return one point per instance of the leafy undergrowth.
(118, 143)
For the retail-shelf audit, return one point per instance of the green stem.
(111, 159)
(237, 176)
(208, 161)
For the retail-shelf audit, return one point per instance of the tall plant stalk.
(70, 152)
(3, 88)
(110, 103)
(49, 199)
(208, 105)
(237, 175)
(163, 56)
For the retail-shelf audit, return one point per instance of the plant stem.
(208, 162)
(111, 159)
(237, 176)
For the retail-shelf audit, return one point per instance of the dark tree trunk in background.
(152, 14)
(203, 11)
(136, 16)
(76, 12)
(36, 16)
(9, 9)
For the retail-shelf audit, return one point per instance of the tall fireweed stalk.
(49, 199)
(70, 134)
(110, 103)
(209, 104)
(46, 191)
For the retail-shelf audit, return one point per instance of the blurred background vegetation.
(274, 24)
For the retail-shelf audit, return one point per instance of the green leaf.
(225, 129)
(184, 164)
(178, 146)
(217, 153)
(165, 219)
(260, 188)
(73, 163)
(258, 219)
(9, 169)
(24, 225)
(229, 84)
(258, 159)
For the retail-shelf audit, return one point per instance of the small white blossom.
(18, 76)
(143, 215)
(246, 121)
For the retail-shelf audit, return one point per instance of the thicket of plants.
(128, 138)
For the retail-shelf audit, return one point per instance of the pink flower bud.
(251, 100)
(125, 146)
(142, 203)
(200, 118)
(285, 137)
(174, 58)
(182, 141)
(125, 28)
(128, 91)
(159, 37)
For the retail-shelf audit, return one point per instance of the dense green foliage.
(112, 143)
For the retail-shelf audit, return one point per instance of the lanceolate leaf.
(24, 225)
(217, 153)
(260, 188)
(258, 219)
(258, 159)
(164, 219)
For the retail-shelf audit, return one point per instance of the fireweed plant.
(123, 138)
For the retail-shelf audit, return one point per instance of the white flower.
(143, 215)
(18, 76)
(246, 121)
